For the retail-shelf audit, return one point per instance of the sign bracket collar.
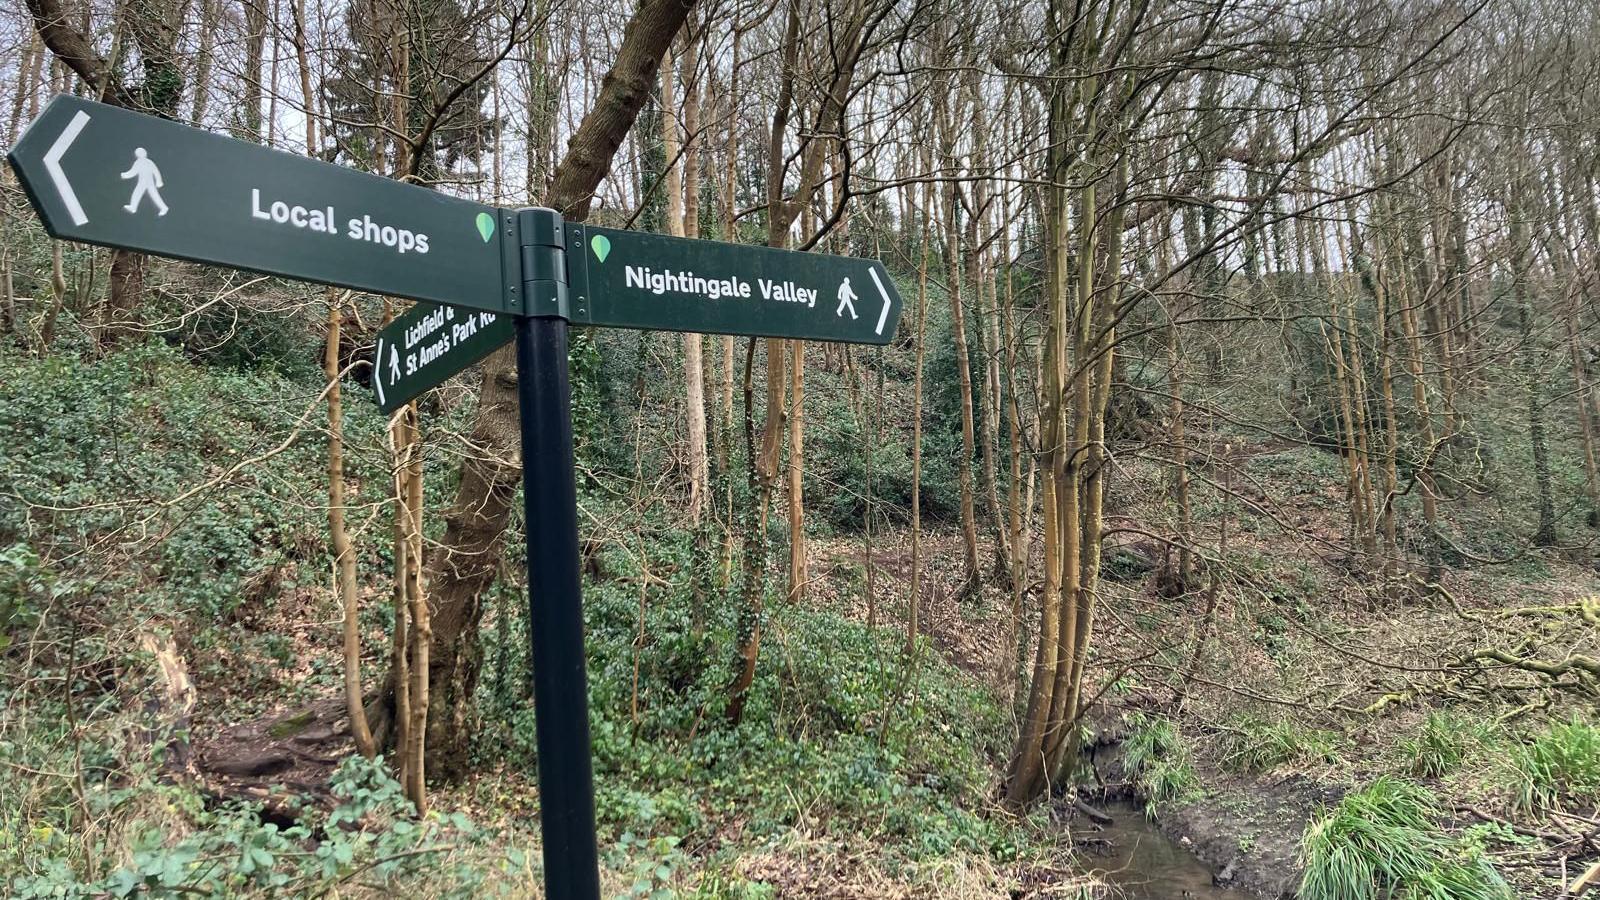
(542, 261)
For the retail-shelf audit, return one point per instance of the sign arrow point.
(883, 317)
(52, 164)
(377, 370)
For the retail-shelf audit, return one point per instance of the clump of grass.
(1256, 745)
(1441, 745)
(1158, 761)
(1384, 842)
(1561, 765)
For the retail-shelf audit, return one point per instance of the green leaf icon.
(601, 245)
(486, 226)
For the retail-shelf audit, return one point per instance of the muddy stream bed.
(1145, 864)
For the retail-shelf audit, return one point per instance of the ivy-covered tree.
(417, 63)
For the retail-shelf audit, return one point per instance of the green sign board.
(634, 279)
(105, 175)
(428, 344)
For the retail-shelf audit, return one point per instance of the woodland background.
(1236, 450)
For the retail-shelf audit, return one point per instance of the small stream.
(1147, 865)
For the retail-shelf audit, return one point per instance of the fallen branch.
(1587, 607)
(1408, 694)
(1586, 668)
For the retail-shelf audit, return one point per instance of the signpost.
(104, 175)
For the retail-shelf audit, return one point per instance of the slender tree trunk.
(683, 220)
(1424, 465)
(914, 602)
(8, 294)
(398, 719)
(958, 327)
(1359, 403)
(467, 555)
(1101, 366)
(1180, 579)
(28, 69)
(255, 46)
(762, 465)
(1011, 663)
(1522, 253)
(1441, 312)
(989, 337)
(344, 554)
(1389, 516)
(846, 43)
(420, 630)
(730, 180)
(339, 538)
(1583, 391)
(797, 506)
(205, 57)
(1025, 777)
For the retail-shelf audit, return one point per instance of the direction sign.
(104, 175)
(428, 344)
(633, 279)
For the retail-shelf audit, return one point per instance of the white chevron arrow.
(883, 316)
(52, 164)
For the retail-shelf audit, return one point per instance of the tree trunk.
(205, 57)
(844, 50)
(1545, 535)
(154, 26)
(1025, 775)
(468, 554)
(255, 48)
(762, 463)
(28, 70)
(344, 554)
(958, 327)
(914, 601)
(797, 503)
(730, 178)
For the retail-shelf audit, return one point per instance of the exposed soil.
(282, 761)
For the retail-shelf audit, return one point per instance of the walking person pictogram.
(149, 182)
(847, 297)
(394, 365)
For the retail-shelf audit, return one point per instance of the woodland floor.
(1249, 823)
(1300, 657)
(1334, 672)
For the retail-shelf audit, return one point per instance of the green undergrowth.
(1557, 769)
(370, 843)
(1443, 743)
(143, 487)
(843, 736)
(188, 484)
(1158, 760)
(1384, 842)
(1254, 745)
(149, 495)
